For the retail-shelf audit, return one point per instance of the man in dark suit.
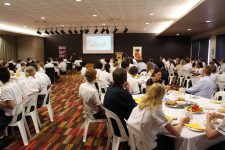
(118, 99)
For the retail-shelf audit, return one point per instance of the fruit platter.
(195, 109)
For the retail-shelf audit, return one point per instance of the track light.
(107, 30)
(75, 30)
(52, 32)
(38, 31)
(96, 30)
(103, 30)
(115, 30)
(57, 32)
(125, 30)
(86, 31)
(70, 31)
(81, 31)
(46, 31)
(62, 31)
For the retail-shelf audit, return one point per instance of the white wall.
(30, 46)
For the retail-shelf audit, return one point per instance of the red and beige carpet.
(66, 131)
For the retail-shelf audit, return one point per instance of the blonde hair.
(153, 97)
(149, 66)
(30, 71)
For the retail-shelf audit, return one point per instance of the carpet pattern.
(66, 131)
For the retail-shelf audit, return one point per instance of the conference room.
(112, 74)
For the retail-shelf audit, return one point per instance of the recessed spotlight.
(144, 29)
(207, 21)
(103, 24)
(42, 18)
(62, 25)
(189, 29)
(7, 4)
(94, 15)
(25, 26)
(78, 0)
(177, 34)
(151, 14)
(146, 22)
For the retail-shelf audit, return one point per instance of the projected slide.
(97, 44)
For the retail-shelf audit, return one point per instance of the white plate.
(196, 130)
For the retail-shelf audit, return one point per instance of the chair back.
(134, 133)
(219, 96)
(19, 112)
(31, 102)
(180, 73)
(110, 115)
(171, 72)
(143, 73)
(51, 73)
(47, 96)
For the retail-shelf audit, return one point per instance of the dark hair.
(48, 60)
(208, 70)
(98, 65)
(90, 75)
(107, 68)
(160, 65)
(107, 60)
(4, 75)
(156, 71)
(83, 64)
(200, 64)
(133, 70)
(125, 64)
(119, 76)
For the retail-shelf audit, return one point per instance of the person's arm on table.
(195, 88)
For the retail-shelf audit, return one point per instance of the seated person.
(62, 66)
(205, 87)
(106, 76)
(165, 73)
(49, 64)
(155, 78)
(134, 85)
(84, 68)
(118, 98)
(10, 97)
(149, 118)
(212, 133)
(41, 67)
(98, 67)
(90, 96)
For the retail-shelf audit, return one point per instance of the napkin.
(217, 101)
(194, 126)
(137, 100)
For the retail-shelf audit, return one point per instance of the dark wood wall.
(152, 45)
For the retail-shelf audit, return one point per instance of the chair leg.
(27, 127)
(50, 112)
(6, 131)
(86, 125)
(23, 132)
(34, 118)
(116, 143)
(38, 119)
(109, 137)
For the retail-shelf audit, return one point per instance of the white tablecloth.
(190, 140)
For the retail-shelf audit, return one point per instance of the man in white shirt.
(90, 96)
(62, 67)
(102, 60)
(49, 64)
(134, 86)
(205, 87)
(142, 66)
(222, 66)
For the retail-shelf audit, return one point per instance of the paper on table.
(195, 126)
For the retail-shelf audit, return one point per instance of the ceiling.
(210, 10)
(24, 16)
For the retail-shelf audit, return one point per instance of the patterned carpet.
(66, 131)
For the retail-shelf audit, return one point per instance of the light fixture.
(75, 30)
(115, 30)
(62, 25)
(25, 26)
(70, 31)
(103, 30)
(81, 30)
(125, 30)
(86, 30)
(96, 30)
(189, 29)
(78, 0)
(177, 34)
(207, 21)
(38, 31)
(7, 4)
(56, 31)
(94, 15)
(43, 18)
(46, 31)
(151, 14)
(103, 24)
(62, 31)
(52, 32)
(107, 30)
(146, 22)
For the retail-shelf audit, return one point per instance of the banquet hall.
(112, 74)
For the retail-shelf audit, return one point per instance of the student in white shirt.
(77, 63)
(134, 86)
(125, 65)
(103, 61)
(222, 65)
(90, 96)
(205, 87)
(84, 68)
(49, 64)
(214, 74)
(10, 97)
(40, 66)
(150, 69)
(149, 118)
(98, 67)
(62, 66)
(141, 66)
(106, 76)
(213, 133)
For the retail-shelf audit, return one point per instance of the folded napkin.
(217, 101)
(168, 117)
(137, 100)
(194, 126)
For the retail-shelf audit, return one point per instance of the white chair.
(220, 95)
(116, 139)
(47, 103)
(171, 75)
(31, 110)
(20, 121)
(134, 133)
(180, 76)
(187, 77)
(102, 89)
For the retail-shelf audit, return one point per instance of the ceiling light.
(115, 30)
(96, 30)
(86, 31)
(78, 0)
(46, 31)
(94, 15)
(177, 34)
(43, 18)
(151, 14)
(81, 31)
(62, 31)
(70, 31)
(75, 30)
(103, 24)
(7, 4)
(62, 25)
(38, 31)
(125, 30)
(107, 30)
(146, 22)
(57, 32)
(25, 26)
(208, 21)
(189, 29)
(103, 30)
(52, 32)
